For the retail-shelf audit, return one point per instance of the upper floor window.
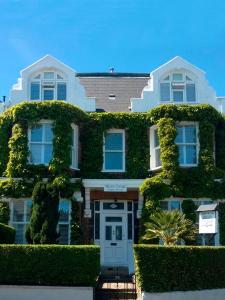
(74, 148)
(178, 88)
(114, 151)
(40, 143)
(48, 86)
(187, 141)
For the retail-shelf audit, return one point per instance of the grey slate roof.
(123, 85)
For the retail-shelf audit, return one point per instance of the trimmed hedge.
(7, 234)
(163, 269)
(49, 265)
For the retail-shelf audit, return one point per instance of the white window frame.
(42, 82)
(25, 221)
(184, 81)
(119, 151)
(190, 144)
(66, 222)
(42, 143)
(75, 147)
(153, 149)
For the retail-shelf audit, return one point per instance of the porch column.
(140, 204)
(87, 210)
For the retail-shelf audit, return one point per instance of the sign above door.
(115, 187)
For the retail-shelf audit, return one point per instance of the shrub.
(4, 212)
(162, 269)
(49, 265)
(7, 234)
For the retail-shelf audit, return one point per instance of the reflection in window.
(64, 221)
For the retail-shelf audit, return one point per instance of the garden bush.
(7, 234)
(163, 269)
(49, 265)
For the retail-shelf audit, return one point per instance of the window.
(48, 86)
(40, 143)
(187, 143)
(170, 205)
(74, 148)
(64, 221)
(114, 151)
(178, 88)
(21, 212)
(154, 148)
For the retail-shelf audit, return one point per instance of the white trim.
(101, 183)
(119, 151)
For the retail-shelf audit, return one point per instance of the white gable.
(75, 91)
(150, 97)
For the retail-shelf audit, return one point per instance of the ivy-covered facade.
(73, 175)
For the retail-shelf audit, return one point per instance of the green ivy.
(4, 212)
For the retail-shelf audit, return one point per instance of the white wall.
(15, 292)
(216, 294)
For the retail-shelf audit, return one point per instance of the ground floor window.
(20, 218)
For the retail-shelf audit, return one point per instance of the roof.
(208, 207)
(113, 91)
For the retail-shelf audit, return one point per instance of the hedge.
(49, 265)
(7, 234)
(163, 269)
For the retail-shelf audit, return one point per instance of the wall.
(218, 294)
(14, 292)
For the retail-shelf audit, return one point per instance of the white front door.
(114, 239)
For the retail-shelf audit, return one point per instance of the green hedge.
(49, 265)
(7, 234)
(162, 269)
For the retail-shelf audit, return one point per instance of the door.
(114, 240)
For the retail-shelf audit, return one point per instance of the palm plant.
(170, 227)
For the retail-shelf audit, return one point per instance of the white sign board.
(115, 188)
(208, 222)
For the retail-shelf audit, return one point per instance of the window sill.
(188, 166)
(113, 171)
(155, 168)
(75, 169)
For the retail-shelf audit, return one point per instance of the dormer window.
(178, 88)
(48, 86)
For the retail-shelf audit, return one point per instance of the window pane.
(191, 155)
(114, 141)
(35, 153)
(48, 134)
(35, 91)
(64, 234)
(19, 239)
(97, 226)
(177, 77)
(190, 134)
(28, 204)
(64, 211)
(48, 75)
(158, 162)
(47, 153)
(18, 211)
(164, 92)
(174, 205)
(178, 96)
(129, 227)
(113, 219)
(36, 133)
(113, 161)
(61, 91)
(156, 138)
(181, 154)
(48, 94)
(179, 137)
(119, 233)
(190, 92)
(108, 233)
(164, 205)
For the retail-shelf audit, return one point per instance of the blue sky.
(131, 35)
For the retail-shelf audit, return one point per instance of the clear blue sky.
(131, 35)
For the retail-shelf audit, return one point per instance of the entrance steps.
(114, 284)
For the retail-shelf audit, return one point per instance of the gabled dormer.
(50, 79)
(177, 82)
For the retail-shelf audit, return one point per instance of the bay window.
(40, 143)
(114, 151)
(177, 88)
